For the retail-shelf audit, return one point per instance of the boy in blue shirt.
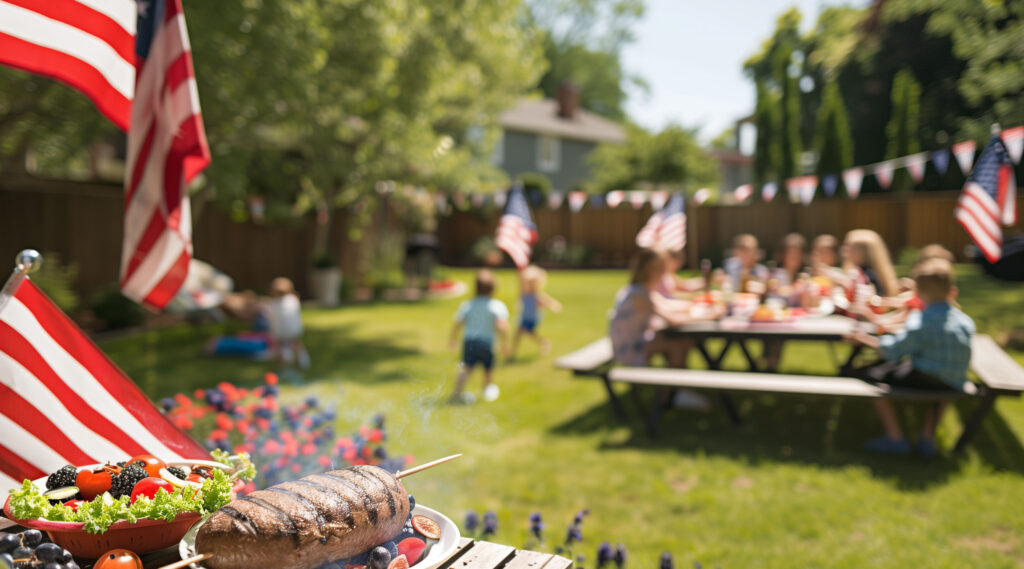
(937, 346)
(482, 318)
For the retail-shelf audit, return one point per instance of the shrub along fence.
(903, 220)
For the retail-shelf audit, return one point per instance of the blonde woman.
(866, 259)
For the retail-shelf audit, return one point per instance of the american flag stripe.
(665, 228)
(166, 148)
(516, 232)
(88, 45)
(988, 199)
(71, 404)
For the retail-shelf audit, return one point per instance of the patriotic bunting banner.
(499, 198)
(964, 153)
(915, 164)
(62, 401)
(596, 201)
(940, 158)
(802, 189)
(637, 199)
(742, 193)
(577, 200)
(829, 184)
(516, 232)
(476, 199)
(769, 190)
(614, 198)
(658, 199)
(702, 195)
(555, 199)
(666, 228)
(852, 179)
(1013, 138)
(883, 173)
(989, 200)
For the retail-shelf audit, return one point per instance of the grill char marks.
(306, 503)
(365, 503)
(372, 475)
(334, 504)
(242, 518)
(288, 525)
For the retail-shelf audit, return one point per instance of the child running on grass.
(532, 300)
(482, 318)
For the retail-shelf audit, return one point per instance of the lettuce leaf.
(28, 503)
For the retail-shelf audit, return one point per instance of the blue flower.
(536, 526)
(490, 523)
(666, 561)
(604, 554)
(168, 403)
(573, 534)
(472, 521)
(312, 402)
(620, 556)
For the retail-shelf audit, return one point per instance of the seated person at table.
(932, 352)
(908, 300)
(743, 267)
(790, 257)
(824, 253)
(671, 283)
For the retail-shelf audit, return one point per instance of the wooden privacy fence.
(903, 220)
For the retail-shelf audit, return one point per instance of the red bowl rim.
(75, 527)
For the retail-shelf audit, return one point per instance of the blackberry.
(122, 484)
(63, 477)
(177, 472)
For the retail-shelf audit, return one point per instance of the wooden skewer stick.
(186, 562)
(432, 464)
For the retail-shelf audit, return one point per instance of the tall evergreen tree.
(766, 152)
(832, 140)
(902, 131)
(788, 133)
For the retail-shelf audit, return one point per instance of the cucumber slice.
(61, 494)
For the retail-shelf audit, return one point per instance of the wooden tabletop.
(822, 328)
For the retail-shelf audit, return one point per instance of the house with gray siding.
(552, 137)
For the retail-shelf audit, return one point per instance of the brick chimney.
(568, 100)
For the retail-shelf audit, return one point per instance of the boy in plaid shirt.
(932, 352)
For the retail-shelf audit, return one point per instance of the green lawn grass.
(789, 488)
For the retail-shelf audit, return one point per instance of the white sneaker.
(468, 398)
(491, 392)
(686, 399)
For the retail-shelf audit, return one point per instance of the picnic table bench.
(998, 375)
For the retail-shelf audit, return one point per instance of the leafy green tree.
(902, 130)
(832, 143)
(789, 142)
(669, 159)
(766, 152)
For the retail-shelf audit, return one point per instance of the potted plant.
(326, 281)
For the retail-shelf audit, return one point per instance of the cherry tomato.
(195, 478)
(74, 504)
(153, 464)
(150, 486)
(92, 483)
(118, 559)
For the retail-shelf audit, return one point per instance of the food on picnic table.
(30, 549)
(142, 487)
(332, 520)
(118, 559)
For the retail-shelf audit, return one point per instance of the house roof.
(540, 116)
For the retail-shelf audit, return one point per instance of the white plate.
(441, 550)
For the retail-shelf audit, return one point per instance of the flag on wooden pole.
(516, 232)
(666, 228)
(62, 401)
(989, 200)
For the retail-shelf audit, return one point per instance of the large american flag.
(989, 200)
(63, 402)
(134, 61)
(666, 228)
(516, 232)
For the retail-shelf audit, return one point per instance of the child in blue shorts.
(482, 318)
(532, 300)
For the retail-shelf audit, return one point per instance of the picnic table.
(471, 554)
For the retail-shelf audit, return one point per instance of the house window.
(549, 154)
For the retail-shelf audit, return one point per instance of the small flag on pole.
(989, 200)
(666, 228)
(62, 401)
(516, 232)
(852, 179)
(964, 153)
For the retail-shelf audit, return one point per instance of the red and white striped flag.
(666, 228)
(134, 61)
(62, 401)
(516, 232)
(989, 200)
(166, 149)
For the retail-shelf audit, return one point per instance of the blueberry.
(412, 503)
(379, 558)
(52, 565)
(48, 552)
(392, 547)
(21, 552)
(9, 541)
(31, 538)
